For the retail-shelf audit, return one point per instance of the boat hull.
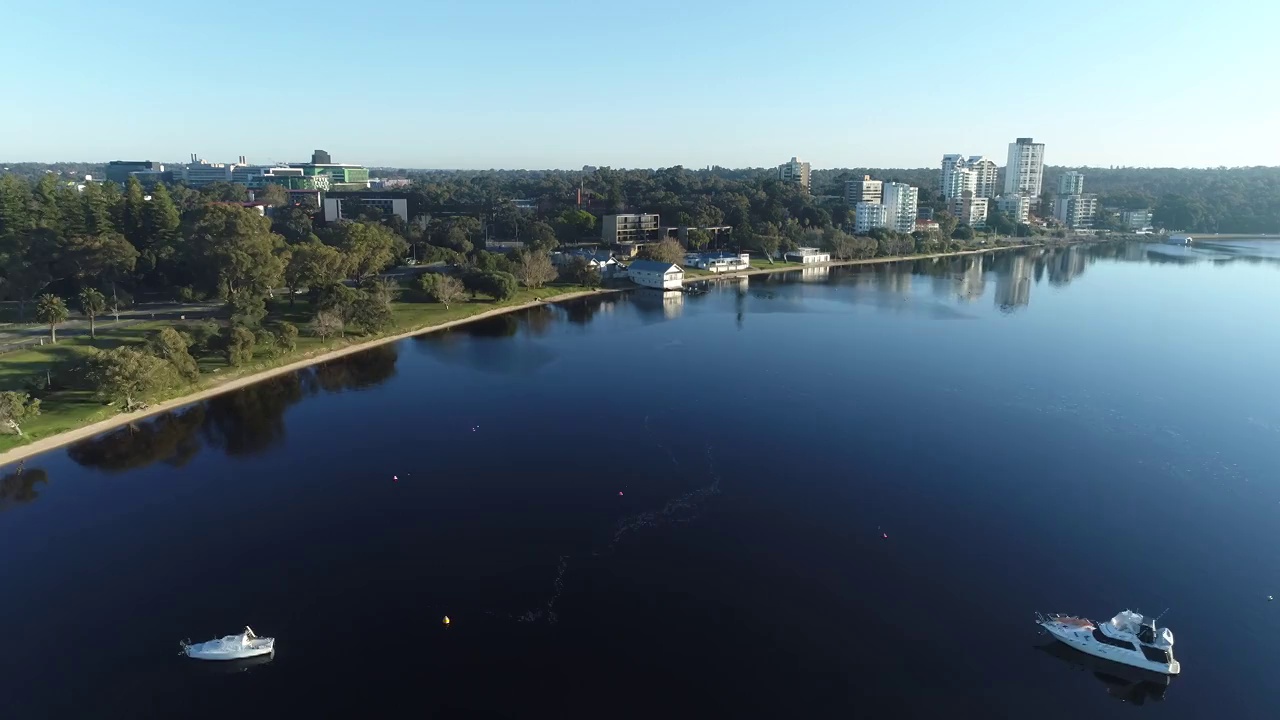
(1082, 639)
(225, 649)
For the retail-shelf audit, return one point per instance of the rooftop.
(653, 266)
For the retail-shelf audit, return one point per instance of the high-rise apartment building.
(868, 215)
(1024, 172)
(864, 190)
(975, 174)
(794, 172)
(900, 200)
(1071, 183)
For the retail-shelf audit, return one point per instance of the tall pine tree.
(15, 205)
(44, 207)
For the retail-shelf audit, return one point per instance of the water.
(663, 504)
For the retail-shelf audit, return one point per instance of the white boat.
(232, 647)
(1127, 638)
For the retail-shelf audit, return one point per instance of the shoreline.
(861, 261)
(23, 452)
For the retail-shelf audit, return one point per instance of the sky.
(566, 83)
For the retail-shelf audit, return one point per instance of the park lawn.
(68, 409)
(763, 264)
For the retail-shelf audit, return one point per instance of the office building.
(1071, 183)
(632, 228)
(864, 190)
(1076, 211)
(320, 157)
(198, 173)
(900, 206)
(1016, 207)
(867, 216)
(1136, 219)
(1024, 172)
(341, 176)
(970, 210)
(794, 172)
(118, 171)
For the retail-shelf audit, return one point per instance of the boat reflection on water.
(1124, 683)
(230, 667)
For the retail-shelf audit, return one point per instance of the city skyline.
(503, 84)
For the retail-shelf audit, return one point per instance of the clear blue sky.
(563, 83)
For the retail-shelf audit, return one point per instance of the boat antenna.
(1160, 615)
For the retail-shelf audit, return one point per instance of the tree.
(534, 269)
(131, 217)
(15, 408)
(239, 345)
(946, 223)
(169, 345)
(498, 285)
(287, 337)
(667, 251)
(29, 260)
(698, 239)
(294, 224)
(962, 232)
(444, 289)
(105, 258)
(541, 237)
(15, 205)
(273, 194)
(98, 205)
(368, 247)
(237, 255)
(313, 265)
(52, 311)
(225, 192)
(92, 303)
(158, 239)
(574, 224)
(327, 324)
(372, 312)
(45, 210)
(580, 272)
(337, 298)
(127, 374)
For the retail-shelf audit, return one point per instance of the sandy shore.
(50, 443)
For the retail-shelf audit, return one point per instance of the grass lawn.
(66, 409)
(763, 264)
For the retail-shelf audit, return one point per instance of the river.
(807, 494)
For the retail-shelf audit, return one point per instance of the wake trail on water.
(682, 509)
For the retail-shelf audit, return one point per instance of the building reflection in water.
(814, 274)
(1013, 282)
(670, 303)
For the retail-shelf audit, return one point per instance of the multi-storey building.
(1076, 211)
(1024, 172)
(900, 202)
(1071, 183)
(616, 229)
(794, 172)
(1017, 207)
(868, 215)
(975, 174)
(864, 190)
(1136, 219)
(970, 210)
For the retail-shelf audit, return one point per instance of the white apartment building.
(1136, 219)
(1017, 207)
(900, 202)
(867, 216)
(616, 229)
(985, 172)
(864, 190)
(958, 180)
(975, 174)
(794, 172)
(1076, 211)
(1071, 183)
(970, 210)
(1024, 172)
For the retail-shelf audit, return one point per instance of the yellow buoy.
(446, 619)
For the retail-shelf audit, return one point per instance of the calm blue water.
(677, 505)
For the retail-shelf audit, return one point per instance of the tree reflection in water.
(19, 487)
(240, 423)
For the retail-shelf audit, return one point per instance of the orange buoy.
(446, 619)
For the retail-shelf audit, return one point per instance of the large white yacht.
(1126, 638)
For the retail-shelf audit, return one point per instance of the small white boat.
(1126, 638)
(232, 647)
